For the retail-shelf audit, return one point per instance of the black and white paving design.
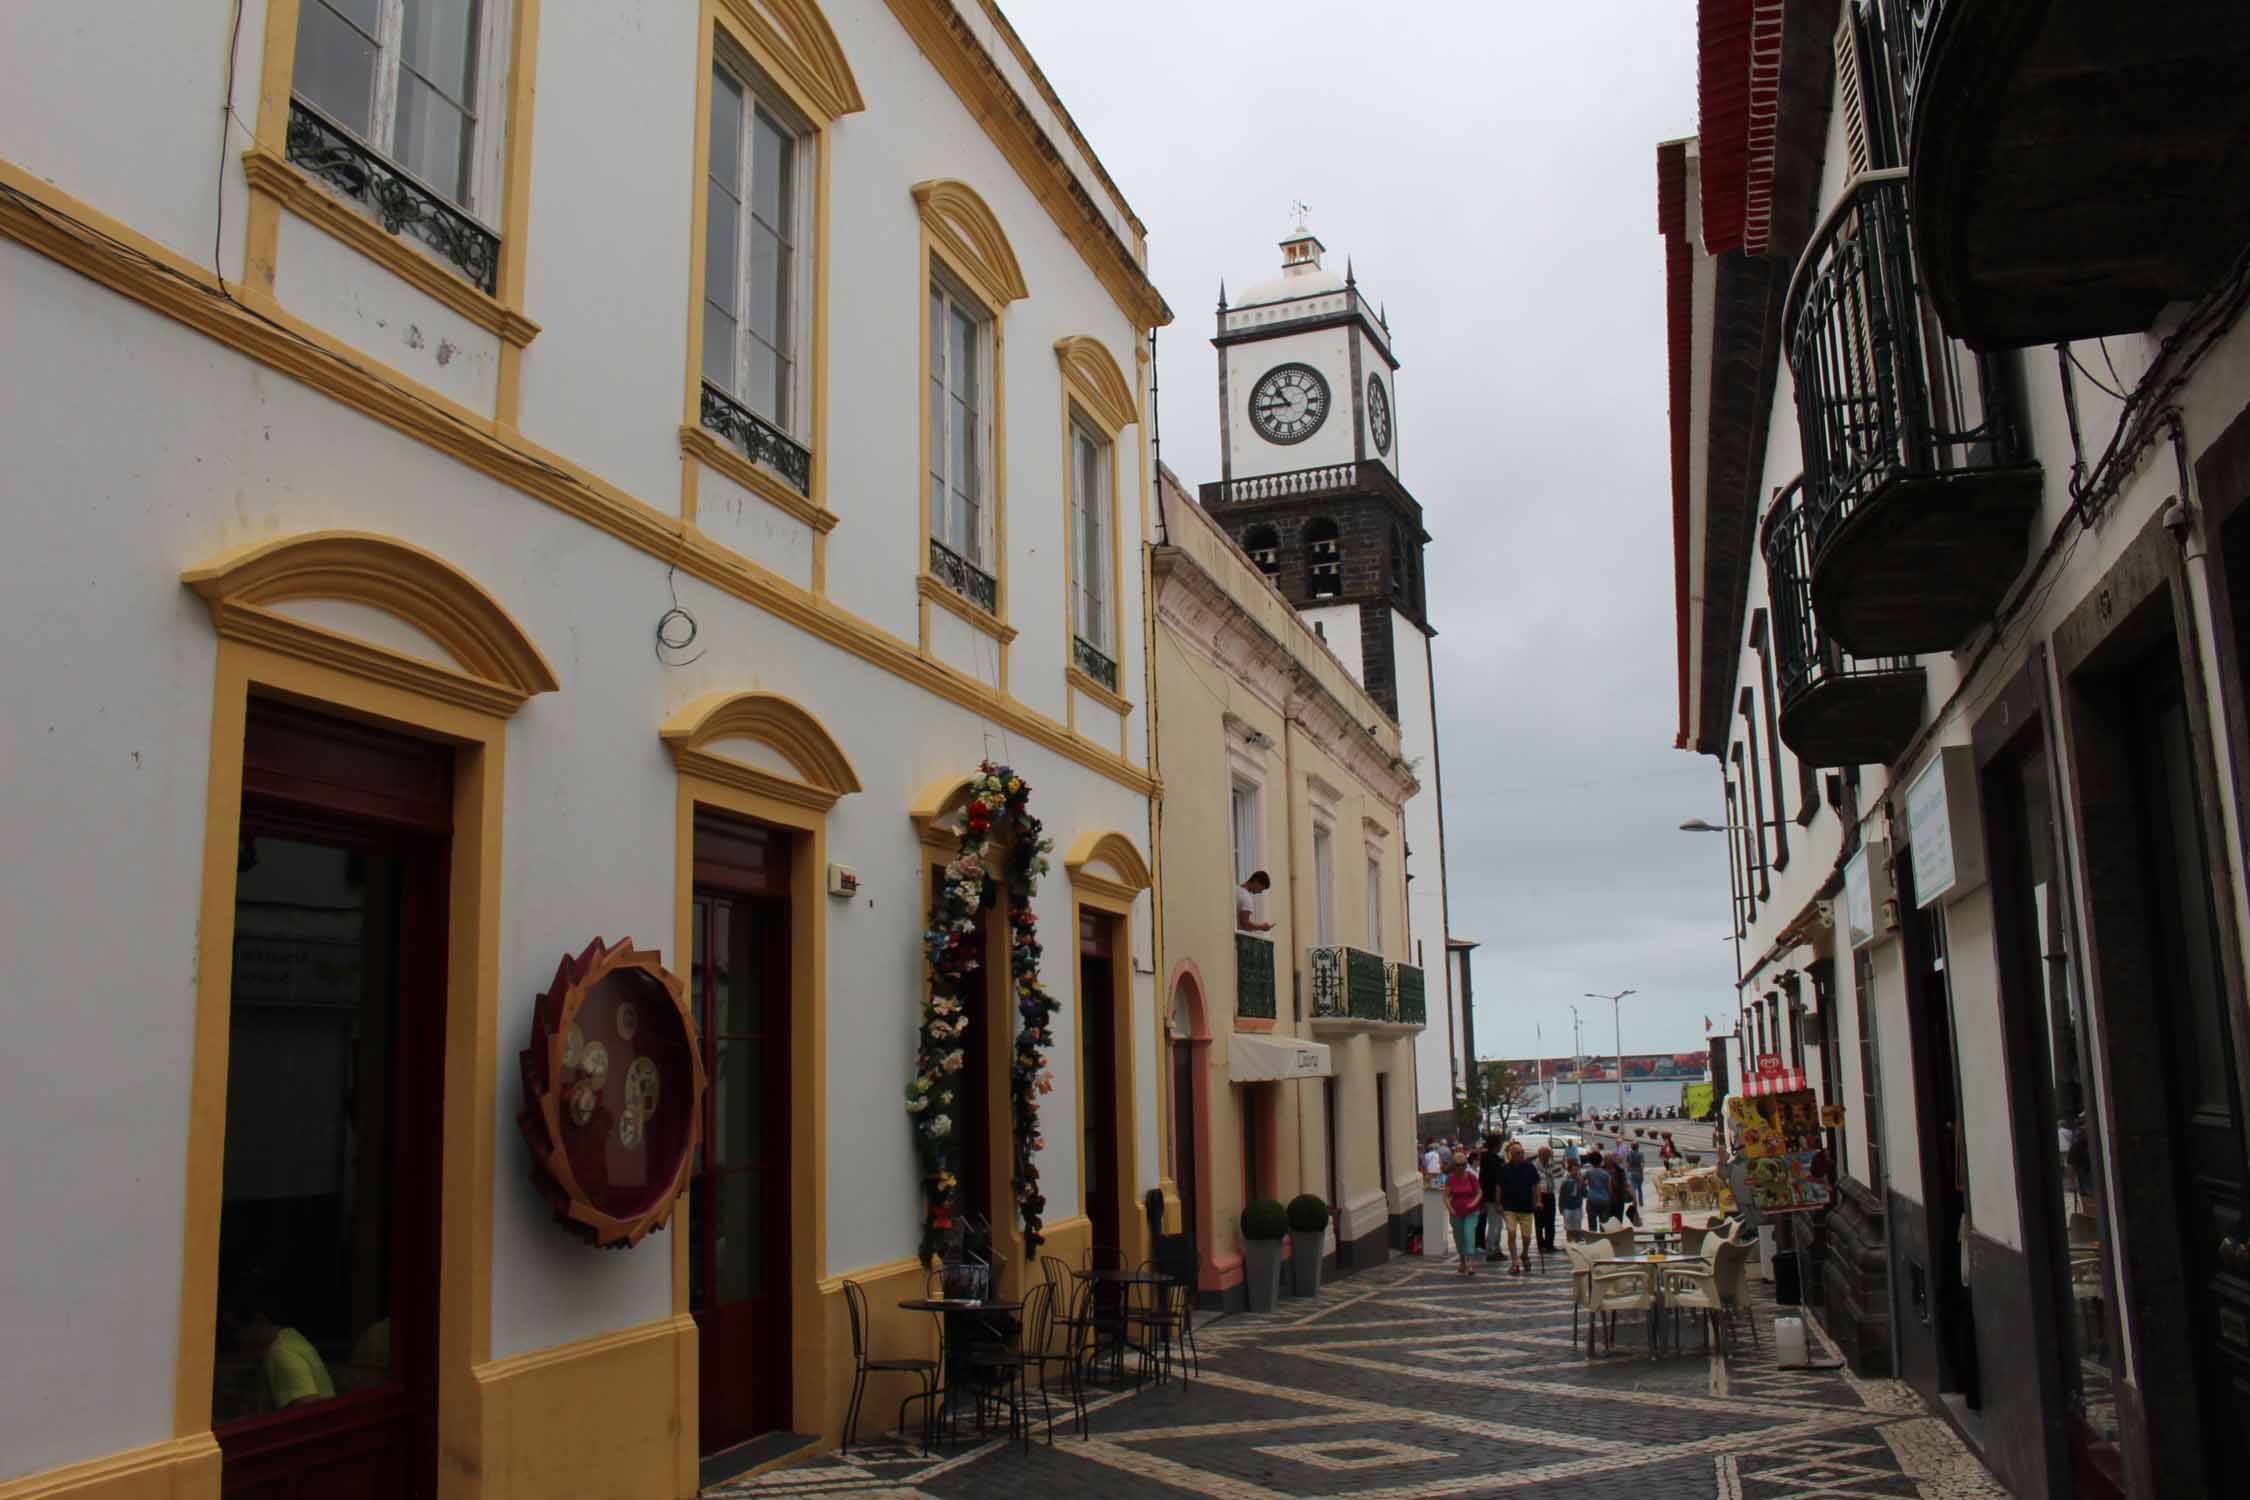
(1409, 1380)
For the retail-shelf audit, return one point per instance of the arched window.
(1325, 558)
(1263, 544)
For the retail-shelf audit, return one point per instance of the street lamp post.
(1618, 1023)
(1578, 1059)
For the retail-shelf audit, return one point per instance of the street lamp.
(1619, 1026)
(1578, 1060)
(1734, 892)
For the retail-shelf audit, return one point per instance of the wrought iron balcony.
(1093, 663)
(1354, 990)
(1413, 1000)
(1917, 498)
(964, 577)
(757, 439)
(400, 203)
(1835, 709)
(2077, 164)
(1253, 976)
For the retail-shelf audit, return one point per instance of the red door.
(1097, 1047)
(329, 1218)
(738, 1276)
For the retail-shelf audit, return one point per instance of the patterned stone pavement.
(1407, 1381)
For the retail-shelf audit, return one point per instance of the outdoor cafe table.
(946, 1309)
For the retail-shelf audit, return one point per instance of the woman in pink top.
(1464, 1194)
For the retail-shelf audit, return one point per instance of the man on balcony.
(1246, 903)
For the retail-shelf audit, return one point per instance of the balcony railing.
(1834, 709)
(2077, 167)
(1318, 482)
(400, 202)
(1253, 976)
(1895, 417)
(1351, 984)
(964, 577)
(1413, 1002)
(1091, 660)
(757, 439)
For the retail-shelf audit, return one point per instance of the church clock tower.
(1310, 462)
(1310, 486)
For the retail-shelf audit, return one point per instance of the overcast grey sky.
(1490, 170)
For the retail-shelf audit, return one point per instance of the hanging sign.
(1942, 824)
(612, 1093)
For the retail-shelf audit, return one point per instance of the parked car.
(1558, 1139)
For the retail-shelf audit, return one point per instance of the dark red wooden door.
(738, 1285)
(329, 1219)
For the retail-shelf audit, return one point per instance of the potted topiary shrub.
(1264, 1225)
(1308, 1225)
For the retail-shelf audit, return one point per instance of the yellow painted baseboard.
(607, 1418)
(185, 1468)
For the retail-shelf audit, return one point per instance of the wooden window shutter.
(1850, 90)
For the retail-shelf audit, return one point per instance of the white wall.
(138, 449)
(1437, 1064)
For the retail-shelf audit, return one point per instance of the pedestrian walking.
(1488, 1207)
(1520, 1192)
(1635, 1168)
(1623, 1205)
(1462, 1194)
(1550, 1184)
(1571, 1193)
(1596, 1179)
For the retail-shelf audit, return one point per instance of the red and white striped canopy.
(1787, 1081)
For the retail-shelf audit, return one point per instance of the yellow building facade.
(1290, 1022)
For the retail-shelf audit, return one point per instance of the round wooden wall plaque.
(612, 1093)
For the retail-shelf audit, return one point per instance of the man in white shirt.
(1432, 1164)
(1246, 902)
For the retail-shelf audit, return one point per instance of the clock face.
(1289, 403)
(1379, 415)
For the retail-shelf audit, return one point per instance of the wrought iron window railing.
(1351, 984)
(1882, 393)
(401, 204)
(1804, 655)
(757, 439)
(1253, 976)
(964, 577)
(1093, 662)
(1413, 1000)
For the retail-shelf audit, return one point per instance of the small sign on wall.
(1867, 891)
(1946, 836)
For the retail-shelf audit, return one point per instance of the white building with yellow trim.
(1291, 1037)
(548, 472)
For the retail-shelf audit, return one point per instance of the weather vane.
(1298, 208)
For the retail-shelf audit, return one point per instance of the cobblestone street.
(1408, 1381)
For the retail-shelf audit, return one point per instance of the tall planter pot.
(1261, 1265)
(1304, 1261)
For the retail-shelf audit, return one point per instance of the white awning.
(1260, 1059)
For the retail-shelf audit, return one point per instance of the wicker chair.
(1612, 1289)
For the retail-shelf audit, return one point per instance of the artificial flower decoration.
(998, 813)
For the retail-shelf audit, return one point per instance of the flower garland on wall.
(999, 806)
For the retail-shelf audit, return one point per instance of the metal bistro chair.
(1155, 1313)
(1002, 1372)
(1175, 1257)
(923, 1370)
